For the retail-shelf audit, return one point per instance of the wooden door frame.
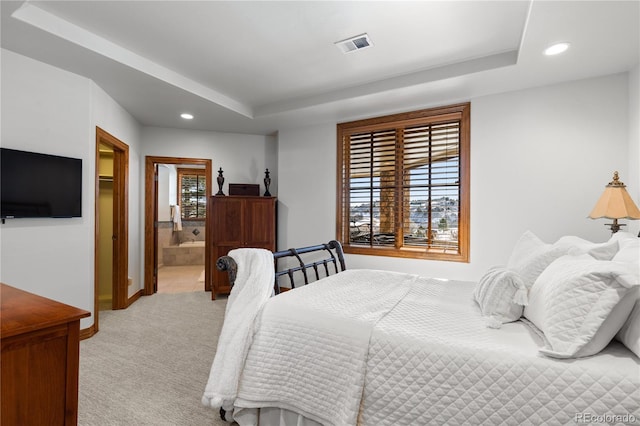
(150, 213)
(120, 218)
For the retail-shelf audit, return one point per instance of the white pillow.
(579, 304)
(629, 251)
(531, 256)
(629, 334)
(622, 235)
(600, 251)
(501, 295)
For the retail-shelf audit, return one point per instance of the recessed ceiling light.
(187, 116)
(556, 49)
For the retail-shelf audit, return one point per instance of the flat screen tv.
(39, 185)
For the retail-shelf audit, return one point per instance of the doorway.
(111, 224)
(160, 213)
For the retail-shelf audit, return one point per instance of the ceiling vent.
(352, 44)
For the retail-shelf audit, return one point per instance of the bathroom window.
(192, 190)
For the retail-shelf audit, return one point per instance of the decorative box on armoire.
(235, 221)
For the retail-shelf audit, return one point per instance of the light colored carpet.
(149, 364)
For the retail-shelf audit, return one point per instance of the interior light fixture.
(615, 203)
(556, 49)
(187, 116)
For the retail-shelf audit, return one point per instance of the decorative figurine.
(267, 182)
(220, 182)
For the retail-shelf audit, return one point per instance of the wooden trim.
(135, 297)
(464, 217)
(121, 196)
(407, 118)
(149, 232)
(398, 121)
(96, 229)
(149, 208)
(121, 225)
(88, 332)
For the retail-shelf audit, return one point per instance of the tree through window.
(403, 184)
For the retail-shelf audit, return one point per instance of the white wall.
(307, 186)
(632, 178)
(45, 109)
(164, 187)
(112, 118)
(243, 158)
(539, 160)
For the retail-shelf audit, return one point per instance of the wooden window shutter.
(403, 184)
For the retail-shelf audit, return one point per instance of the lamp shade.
(615, 202)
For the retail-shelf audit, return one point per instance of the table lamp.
(615, 203)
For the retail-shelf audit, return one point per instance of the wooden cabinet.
(235, 222)
(40, 359)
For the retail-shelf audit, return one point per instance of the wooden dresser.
(39, 359)
(234, 222)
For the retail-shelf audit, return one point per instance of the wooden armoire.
(235, 221)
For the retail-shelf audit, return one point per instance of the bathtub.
(187, 253)
(192, 244)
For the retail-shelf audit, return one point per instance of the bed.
(373, 347)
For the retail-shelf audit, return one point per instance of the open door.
(111, 224)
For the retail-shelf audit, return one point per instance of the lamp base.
(615, 226)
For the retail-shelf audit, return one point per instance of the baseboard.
(85, 333)
(135, 297)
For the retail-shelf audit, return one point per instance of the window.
(192, 190)
(403, 185)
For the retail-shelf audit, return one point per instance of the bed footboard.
(331, 262)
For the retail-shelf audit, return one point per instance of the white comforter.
(309, 353)
(379, 348)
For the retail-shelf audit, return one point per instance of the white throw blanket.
(253, 287)
(310, 347)
(176, 217)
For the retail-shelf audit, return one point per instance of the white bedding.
(309, 352)
(430, 359)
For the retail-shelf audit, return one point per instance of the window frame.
(399, 121)
(181, 172)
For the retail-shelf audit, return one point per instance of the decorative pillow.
(531, 256)
(580, 303)
(501, 295)
(600, 251)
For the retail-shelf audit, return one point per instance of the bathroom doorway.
(176, 250)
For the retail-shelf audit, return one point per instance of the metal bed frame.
(332, 263)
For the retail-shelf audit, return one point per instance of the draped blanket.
(252, 289)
